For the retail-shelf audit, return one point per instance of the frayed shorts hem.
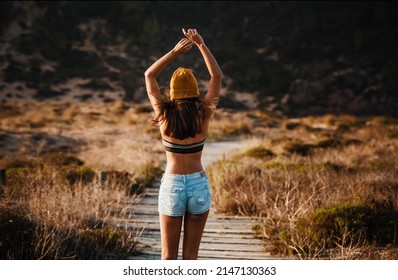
(182, 215)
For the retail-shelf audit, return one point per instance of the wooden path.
(224, 237)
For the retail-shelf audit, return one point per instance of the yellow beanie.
(183, 84)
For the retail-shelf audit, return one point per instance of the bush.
(259, 152)
(148, 173)
(21, 238)
(298, 148)
(353, 223)
(82, 174)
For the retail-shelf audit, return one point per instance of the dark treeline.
(298, 57)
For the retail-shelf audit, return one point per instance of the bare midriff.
(183, 163)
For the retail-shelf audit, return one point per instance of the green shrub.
(82, 174)
(144, 176)
(298, 148)
(259, 152)
(351, 222)
(131, 183)
(148, 173)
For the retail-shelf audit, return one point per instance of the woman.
(183, 118)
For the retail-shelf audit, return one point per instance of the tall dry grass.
(322, 187)
(53, 205)
(56, 211)
(318, 199)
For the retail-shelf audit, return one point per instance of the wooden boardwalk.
(225, 237)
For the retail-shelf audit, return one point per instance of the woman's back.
(182, 162)
(184, 155)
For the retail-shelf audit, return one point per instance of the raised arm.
(152, 87)
(214, 87)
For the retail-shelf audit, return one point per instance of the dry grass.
(303, 173)
(104, 135)
(53, 205)
(227, 124)
(55, 208)
(293, 182)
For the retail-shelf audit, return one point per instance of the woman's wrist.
(200, 45)
(173, 53)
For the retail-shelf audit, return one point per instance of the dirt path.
(225, 237)
(214, 151)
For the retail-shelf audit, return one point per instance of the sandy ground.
(217, 150)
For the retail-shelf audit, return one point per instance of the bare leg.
(194, 226)
(170, 231)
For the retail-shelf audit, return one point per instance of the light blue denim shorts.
(179, 194)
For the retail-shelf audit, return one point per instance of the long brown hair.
(183, 118)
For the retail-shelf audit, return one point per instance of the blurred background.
(290, 57)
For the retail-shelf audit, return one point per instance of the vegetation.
(325, 187)
(72, 173)
(317, 199)
(54, 207)
(58, 204)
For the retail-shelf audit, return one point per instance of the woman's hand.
(193, 36)
(183, 46)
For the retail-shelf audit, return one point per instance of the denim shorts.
(179, 194)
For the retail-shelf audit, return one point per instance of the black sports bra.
(183, 149)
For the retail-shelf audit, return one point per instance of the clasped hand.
(185, 44)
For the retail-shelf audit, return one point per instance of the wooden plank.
(211, 222)
(207, 255)
(227, 238)
(220, 231)
(150, 239)
(224, 237)
(240, 249)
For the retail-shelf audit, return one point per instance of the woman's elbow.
(150, 73)
(147, 73)
(217, 75)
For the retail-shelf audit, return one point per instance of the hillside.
(290, 57)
